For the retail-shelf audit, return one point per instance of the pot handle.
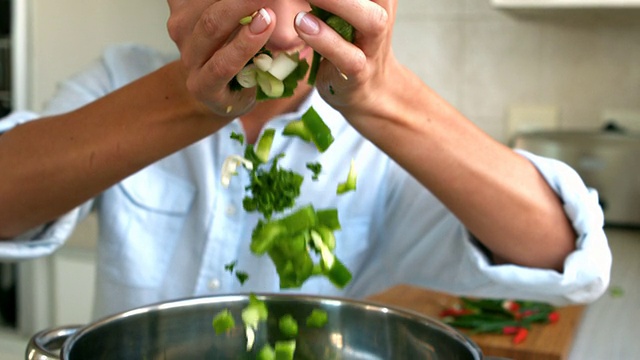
(46, 344)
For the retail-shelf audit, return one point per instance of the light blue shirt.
(167, 231)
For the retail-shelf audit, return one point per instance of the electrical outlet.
(627, 119)
(527, 118)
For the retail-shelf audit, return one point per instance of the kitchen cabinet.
(559, 4)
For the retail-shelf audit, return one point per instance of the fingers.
(232, 56)
(347, 57)
(372, 32)
(216, 26)
(214, 46)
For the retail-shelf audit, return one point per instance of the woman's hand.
(352, 74)
(214, 47)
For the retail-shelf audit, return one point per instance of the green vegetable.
(288, 240)
(285, 349)
(316, 169)
(317, 319)
(274, 77)
(273, 190)
(266, 353)
(238, 137)
(223, 322)
(297, 128)
(329, 218)
(311, 128)
(288, 326)
(319, 131)
(264, 145)
(269, 86)
(242, 277)
(246, 20)
(350, 183)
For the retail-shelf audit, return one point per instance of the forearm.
(52, 165)
(500, 196)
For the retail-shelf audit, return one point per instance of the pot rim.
(187, 302)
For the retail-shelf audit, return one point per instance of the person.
(140, 137)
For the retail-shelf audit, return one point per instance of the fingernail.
(260, 22)
(307, 24)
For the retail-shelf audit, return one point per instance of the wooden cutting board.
(545, 341)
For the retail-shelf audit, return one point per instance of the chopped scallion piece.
(223, 322)
(317, 319)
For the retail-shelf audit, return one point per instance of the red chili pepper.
(553, 317)
(510, 330)
(527, 313)
(520, 336)
(456, 312)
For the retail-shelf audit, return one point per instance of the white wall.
(66, 35)
(580, 63)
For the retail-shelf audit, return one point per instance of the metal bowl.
(183, 330)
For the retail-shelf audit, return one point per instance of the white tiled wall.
(485, 61)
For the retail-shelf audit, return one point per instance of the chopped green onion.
(283, 65)
(263, 62)
(246, 20)
(266, 353)
(285, 349)
(350, 183)
(288, 326)
(269, 84)
(297, 128)
(223, 322)
(247, 77)
(264, 145)
(316, 169)
(317, 319)
(320, 132)
(329, 218)
(237, 137)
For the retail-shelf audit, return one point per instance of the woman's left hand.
(352, 75)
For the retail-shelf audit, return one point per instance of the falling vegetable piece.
(252, 315)
(285, 349)
(263, 148)
(288, 326)
(318, 129)
(297, 128)
(316, 169)
(266, 353)
(317, 319)
(350, 183)
(223, 322)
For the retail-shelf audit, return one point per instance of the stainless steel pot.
(183, 330)
(606, 160)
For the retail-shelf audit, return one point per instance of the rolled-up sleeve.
(422, 243)
(42, 240)
(586, 272)
(45, 239)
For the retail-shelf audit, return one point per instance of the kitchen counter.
(606, 329)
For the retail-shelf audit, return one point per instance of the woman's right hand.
(214, 47)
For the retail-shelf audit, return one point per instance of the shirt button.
(214, 284)
(231, 210)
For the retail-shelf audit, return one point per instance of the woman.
(142, 138)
